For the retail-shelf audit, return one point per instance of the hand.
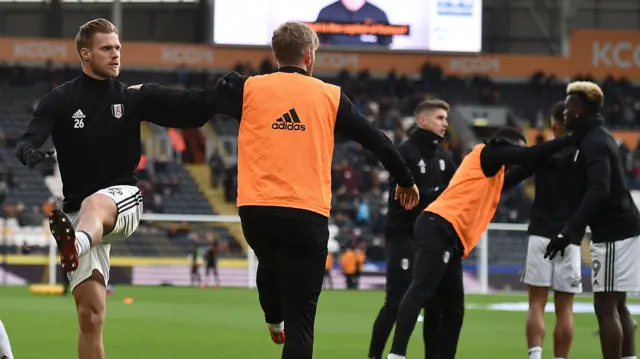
(408, 196)
(557, 245)
(35, 156)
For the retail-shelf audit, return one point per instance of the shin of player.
(5, 346)
(556, 199)
(609, 210)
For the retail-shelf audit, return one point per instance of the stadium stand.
(359, 180)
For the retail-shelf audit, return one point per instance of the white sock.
(5, 346)
(276, 327)
(633, 357)
(396, 356)
(83, 243)
(535, 353)
(564, 358)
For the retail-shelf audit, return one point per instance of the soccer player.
(433, 169)
(94, 122)
(196, 278)
(288, 122)
(211, 260)
(5, 346)
(608, 209)
(451, 226)
(556, 199)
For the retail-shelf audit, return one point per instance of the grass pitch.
(169, 323)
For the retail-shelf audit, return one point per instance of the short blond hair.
(588, 90)
(290, 41)
(84, 38)
(432, 104)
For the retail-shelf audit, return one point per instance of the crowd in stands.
(359, 181)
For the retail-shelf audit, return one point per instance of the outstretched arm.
(514, 177)
(38, 130)
(353, 125)
(186, 108)
(494, 156)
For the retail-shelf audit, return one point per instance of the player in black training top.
(556, 199)
(432, 169)
(608, 209)
(94, 122)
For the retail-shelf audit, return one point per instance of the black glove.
(32, 156)
(557, 245)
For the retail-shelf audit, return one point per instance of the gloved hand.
(33, 156)
(557, 245)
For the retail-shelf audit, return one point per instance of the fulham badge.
(117, 110)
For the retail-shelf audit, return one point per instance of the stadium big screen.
(419, 25)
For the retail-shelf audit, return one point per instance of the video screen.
(426, 25)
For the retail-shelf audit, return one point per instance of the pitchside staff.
(608, 209)
(432, 169)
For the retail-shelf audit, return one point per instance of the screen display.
(431, 25)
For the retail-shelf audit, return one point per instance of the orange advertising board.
(595, 52)
(603, 52)
(208, 56)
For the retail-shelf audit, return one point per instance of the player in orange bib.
(452, 225)
(288, 123)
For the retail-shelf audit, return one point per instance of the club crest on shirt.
(117, 110)
(404, 263)
(423, 166)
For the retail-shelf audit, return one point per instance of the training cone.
(128, 300)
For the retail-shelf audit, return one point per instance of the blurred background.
(497, 62)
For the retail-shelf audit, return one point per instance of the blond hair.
(84, 38)
(432, 104)
(589, 90)
(291, 40)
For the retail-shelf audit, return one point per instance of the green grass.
(227, 323)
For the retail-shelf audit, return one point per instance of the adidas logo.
(289, 122)
(76, 115)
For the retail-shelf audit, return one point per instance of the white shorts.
(615, 266)
(563, 273)
(128, 199)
